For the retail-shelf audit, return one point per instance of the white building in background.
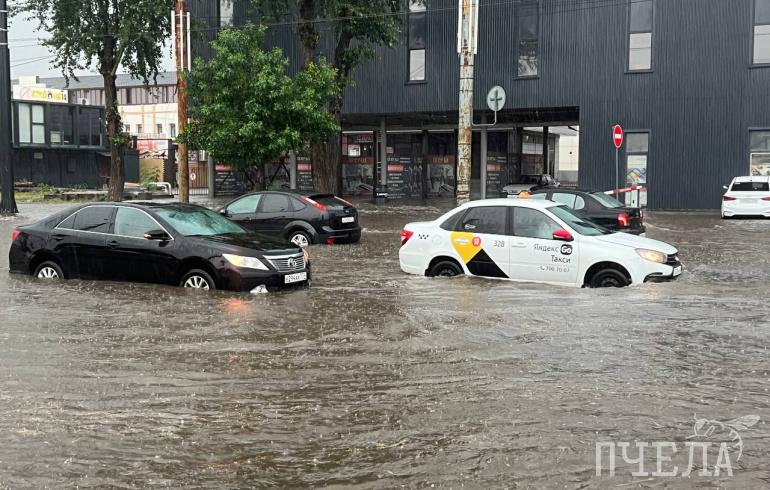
(150, 114)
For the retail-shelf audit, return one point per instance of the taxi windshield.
(577, 222)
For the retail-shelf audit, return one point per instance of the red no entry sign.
(617, 136)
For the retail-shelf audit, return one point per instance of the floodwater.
(376, 379)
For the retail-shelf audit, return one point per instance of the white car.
(747, 196)
(532, 240)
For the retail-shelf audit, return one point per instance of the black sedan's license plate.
(292, 278)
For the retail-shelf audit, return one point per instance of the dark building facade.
(63, 145)
(689, 81)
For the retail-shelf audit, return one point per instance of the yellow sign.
(41, 94)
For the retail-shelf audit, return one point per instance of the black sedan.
(598, 207)
(177, 244)
(303, 219)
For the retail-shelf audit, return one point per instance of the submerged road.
(375, 379)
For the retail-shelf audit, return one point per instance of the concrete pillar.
(546, 165)
(425, 165)
(292, 169)
(520, 152)
(483, 158)
(383, 154)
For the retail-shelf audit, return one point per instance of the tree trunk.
(307, 31)
(259, 178)
(115, 138)
(326, 159)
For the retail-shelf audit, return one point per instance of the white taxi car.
(747, 196)
(532, 240)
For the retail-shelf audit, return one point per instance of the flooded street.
(373, 378)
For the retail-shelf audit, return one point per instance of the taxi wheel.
(609, 278)
(445, 269)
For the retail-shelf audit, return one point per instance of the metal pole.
(617, 174)
(212, 174)
(7, 198)
(483, 158)
(181, 83)
(466, 47)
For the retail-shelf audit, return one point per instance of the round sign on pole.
(496, 98)
(193, 176)
(617, 136)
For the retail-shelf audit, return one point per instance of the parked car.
(302, 219)
(598, 207)
(177, 244)
(747, 196)
(535, 241)
(542, 181)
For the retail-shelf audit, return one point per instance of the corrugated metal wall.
(698, 102)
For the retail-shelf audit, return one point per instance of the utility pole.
(7, 198)
(467, 41)
(182, 36)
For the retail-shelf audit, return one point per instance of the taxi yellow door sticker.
(471, 251)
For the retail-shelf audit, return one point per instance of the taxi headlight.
(245, 262)
(306, 255)
(652, 255)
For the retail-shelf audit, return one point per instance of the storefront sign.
(304, 174)
(40, 94)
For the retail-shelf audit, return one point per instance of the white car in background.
(747, 196)
(535, 241)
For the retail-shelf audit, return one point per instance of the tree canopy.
(244, 107)
(107, 35)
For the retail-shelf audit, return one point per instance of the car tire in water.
(48, 270)
(198, 279)
(608, 278)
(300, 239)
(445, 268)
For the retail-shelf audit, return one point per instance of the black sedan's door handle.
(58, 236)
(113, 243)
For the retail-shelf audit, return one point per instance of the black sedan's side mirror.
(159, 235)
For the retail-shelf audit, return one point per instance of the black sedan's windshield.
(193, 221)
(578, 223)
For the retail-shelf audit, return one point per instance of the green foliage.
(246, 110)
(149, 175)
(107, 33)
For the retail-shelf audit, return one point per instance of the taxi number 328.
(498, 243)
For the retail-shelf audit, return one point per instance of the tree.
(358, 27)
(244, 108)
(108, 34)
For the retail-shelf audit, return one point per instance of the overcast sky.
(28, 57)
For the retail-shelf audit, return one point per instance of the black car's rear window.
(607, 201)
(329, 200)
(750, 187)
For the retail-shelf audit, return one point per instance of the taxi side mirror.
(562, 235)
(724, 187)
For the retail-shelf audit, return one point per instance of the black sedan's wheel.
(445, 269)
(49, 270)
(198, 279)
(300, 239)
(608, 278)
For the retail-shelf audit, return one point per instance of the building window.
(62, 125)
(640, 35)
(760, 152)
(417, 13)
(139, 129)
(637, 150)
(31, 124)
(128, 128)
(90, 127)
(761, 32)
(527, 34)
(172, 130)
(225, 13)
(159, 128)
